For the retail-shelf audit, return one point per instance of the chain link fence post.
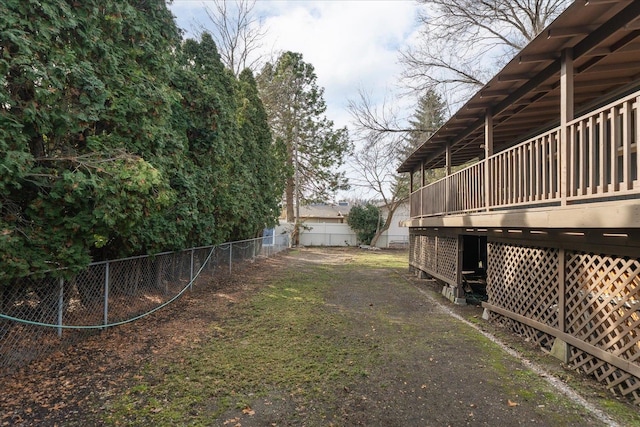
(191, 271)
(105, 318)
(254, 242)
(60, 305)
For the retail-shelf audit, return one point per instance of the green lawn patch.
(272, 345)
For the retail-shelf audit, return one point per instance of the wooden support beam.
(411, 182)
(599, 82)
(488, 152)
(489, 93)
(562, 291)
(568, 32)
(614, 360)
(609, 67)
(566, 115)
(515, 77)
(595, 37)
(542, 57)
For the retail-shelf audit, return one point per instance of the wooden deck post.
(411, 197)
(560, 348)
(448, 189)
(566, 115)
(488, 152)
(423, 182)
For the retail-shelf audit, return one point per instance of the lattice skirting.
(527, 332)
(435, 255)
(524, 280)
(601, 309)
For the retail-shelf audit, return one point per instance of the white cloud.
(351, 44)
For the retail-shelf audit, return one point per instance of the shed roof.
(524, 97)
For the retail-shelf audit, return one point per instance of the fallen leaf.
(511, 403)
(248, 411)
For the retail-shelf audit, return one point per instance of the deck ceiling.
(524, 97)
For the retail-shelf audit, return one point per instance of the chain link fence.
(41, 315)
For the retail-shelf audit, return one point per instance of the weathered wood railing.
(602, 161)
(527, 173)
(603, 151)
(462, 191)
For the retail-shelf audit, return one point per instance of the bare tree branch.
(374, 166)
(464, 42)
(372, 123)
(237, 32)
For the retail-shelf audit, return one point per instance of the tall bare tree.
(372, 121)
(238, 33)
(464, 42)
(374, 167)
(385, 143)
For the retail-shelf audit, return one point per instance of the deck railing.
(460, 192)
(603, 151)
(527, 173)
(602, 162)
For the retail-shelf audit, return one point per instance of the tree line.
(119, 138)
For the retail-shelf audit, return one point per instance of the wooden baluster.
(627, 183)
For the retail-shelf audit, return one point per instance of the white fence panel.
(327, 234)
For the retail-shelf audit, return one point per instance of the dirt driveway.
(426, 363)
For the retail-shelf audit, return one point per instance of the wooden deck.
(552, 194)
(597, 164)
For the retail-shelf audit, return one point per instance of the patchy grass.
(339, 337)
(272, 344)
(315, 337)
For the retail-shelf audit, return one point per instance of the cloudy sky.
(352, 44)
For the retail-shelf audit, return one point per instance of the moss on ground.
(340, 336)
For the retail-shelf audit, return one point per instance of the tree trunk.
(374, 240)
(385, 226)
(289, 193)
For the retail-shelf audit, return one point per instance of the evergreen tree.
(208, 178)
(117, 138)
(430, 114)
(365, 221)
(264, 171)
(230, 181)
(314, 148)
(428, 117)
(84, 102)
